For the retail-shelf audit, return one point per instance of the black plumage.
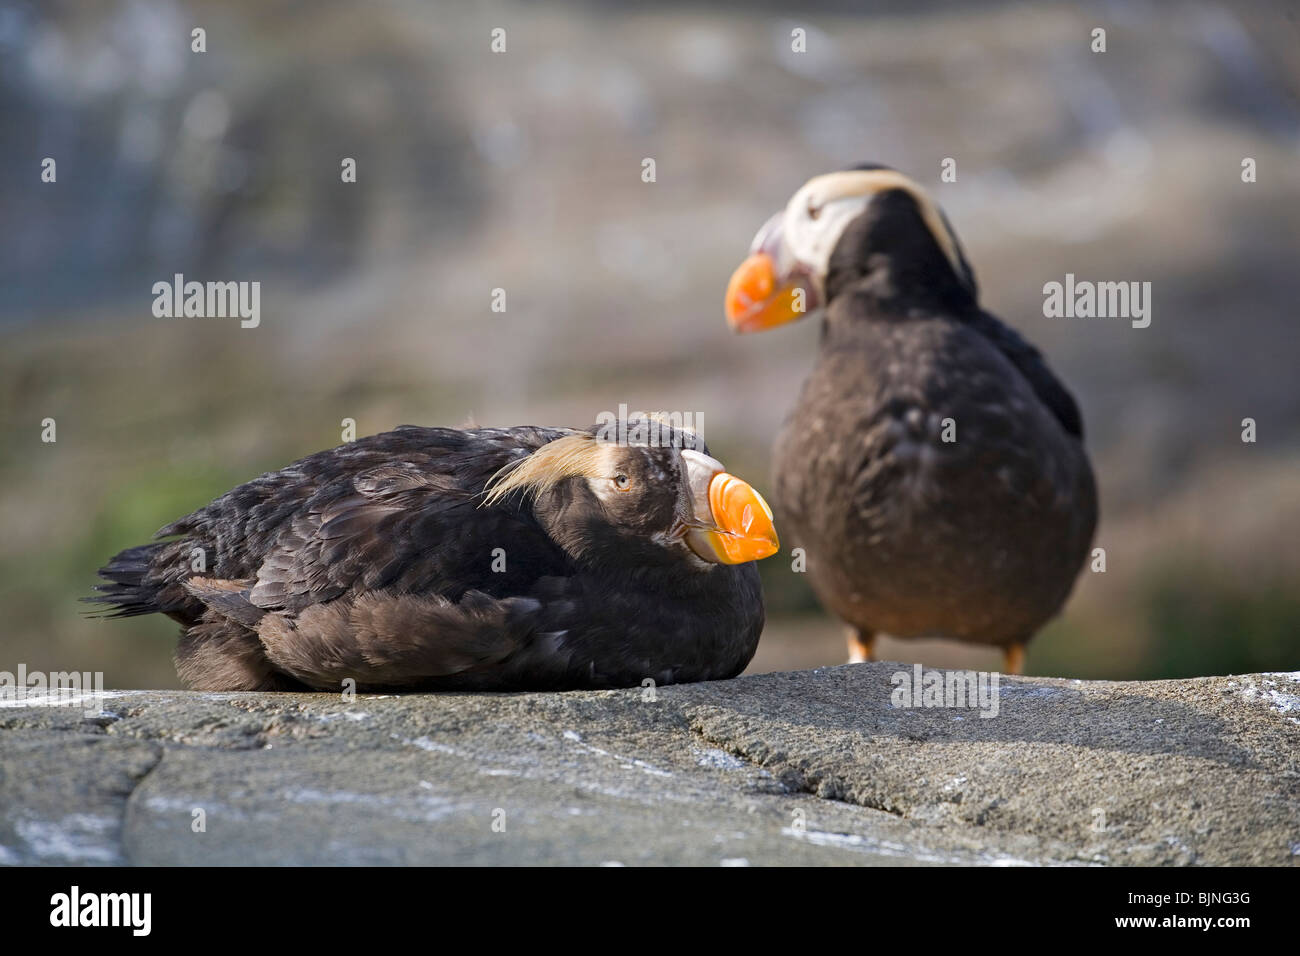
(377, 561)
(933, 466)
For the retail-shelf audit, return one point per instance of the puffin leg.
(1013, 660)
(862, 645)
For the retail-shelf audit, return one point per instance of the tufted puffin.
(933, 467)
(483, 558)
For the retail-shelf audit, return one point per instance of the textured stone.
(810, 767)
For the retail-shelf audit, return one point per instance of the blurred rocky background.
(522, 171)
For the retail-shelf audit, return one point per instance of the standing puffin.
(933, 468)
(487, 559)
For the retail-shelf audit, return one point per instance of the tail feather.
(129, 590)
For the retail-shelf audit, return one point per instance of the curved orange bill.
(745, 531)
(756, 301)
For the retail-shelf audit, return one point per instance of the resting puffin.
(933, 468)
(485, 559)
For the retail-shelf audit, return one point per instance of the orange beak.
(730, 523)
(757, 297)
(745, 529)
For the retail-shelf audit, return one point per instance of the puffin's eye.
(814, 210)
(622, 482)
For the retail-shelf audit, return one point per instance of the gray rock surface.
(810, 767)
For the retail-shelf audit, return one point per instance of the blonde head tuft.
(563, 458)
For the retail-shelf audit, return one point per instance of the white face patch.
(602, 485)
(612, 462)
(817, 215)
(603, 488)
(809, 241)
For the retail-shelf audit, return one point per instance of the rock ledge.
(809, 767)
